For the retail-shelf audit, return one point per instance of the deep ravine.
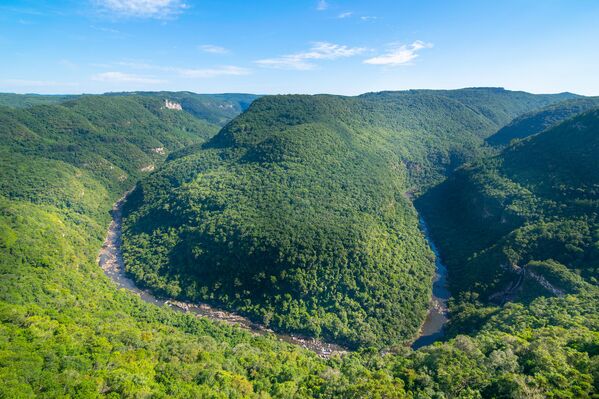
(433, 327)
(111, 261)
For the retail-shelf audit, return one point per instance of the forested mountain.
(535, 122)
(213, 108)
(523, 226)
(216, 109)
(536, 201)
(296, 213)
(28, 100)
(496, 104)
(66, 331)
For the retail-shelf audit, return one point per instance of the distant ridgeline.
(535, 122)
(296, 213)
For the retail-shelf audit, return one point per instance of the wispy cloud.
(399, 55)
(190, 73)
(69, 65)
(104, 29)
(34, 83)
(346, 14)
(213, 72)
(121, 77)
(368, 18)
(322, 5)
(210, 48)
(142, 8)
(304, 60)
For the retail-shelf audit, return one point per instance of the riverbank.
(433, 328)
(111, 261)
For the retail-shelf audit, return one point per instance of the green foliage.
(295, 213)
(306, 229)
(522, 226)
(213, 108)
(536, 201)
(535, 122)
(29, 100)
(65, 331)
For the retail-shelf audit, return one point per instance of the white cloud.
(191, 73)
(69, 65)
(368, 18)
(34, 83)
(345, 15)
(322, 5)
(400, 55)
(121, 77)
(210, 48)
(104, 29)
(319, 51)
(212, 72)
(142, 8)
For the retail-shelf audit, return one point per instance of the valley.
(110, 259)
(289, 220)
(433, 328)
(315, 199)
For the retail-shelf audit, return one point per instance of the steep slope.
(295, 212)
(434, 131)
(65, 331)
(495, 104)
(529, 212)
(296, 222)
(537, 121)
(118, 139)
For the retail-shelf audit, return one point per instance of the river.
(433, 328)
(110, 259)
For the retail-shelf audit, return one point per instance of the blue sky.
(293, 46)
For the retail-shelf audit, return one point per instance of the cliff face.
(172, 105)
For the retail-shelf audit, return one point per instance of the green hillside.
(66, 331)
(496, 104)
(29, 100)
(524, 224)
(296, 215)
(214, 108)
(537, 121)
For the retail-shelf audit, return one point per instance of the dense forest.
(66, 331)
(521, 228)
(529, 214)
(536, 121)
(296, 213)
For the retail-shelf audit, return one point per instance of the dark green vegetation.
(536, 201)
(537, 121)
(523, 226)
(65, 331)
(296, 215)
